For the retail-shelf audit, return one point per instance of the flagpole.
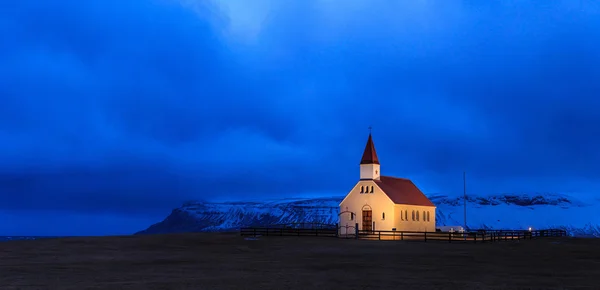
(465, 197)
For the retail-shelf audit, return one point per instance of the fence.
(316, 232)
(533, 233)
(475, 237)
(460, 237)
(302, 226)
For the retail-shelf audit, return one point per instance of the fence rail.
(475, 237)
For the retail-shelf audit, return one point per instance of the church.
(384, 203)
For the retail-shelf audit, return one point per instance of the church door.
(367, 222)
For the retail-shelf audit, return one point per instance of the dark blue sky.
(114, 112)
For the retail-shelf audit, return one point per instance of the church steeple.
(369, 164)
(370, 155)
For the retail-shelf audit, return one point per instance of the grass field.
(228, 261)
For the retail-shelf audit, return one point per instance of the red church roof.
(402, 191)
(370, 156)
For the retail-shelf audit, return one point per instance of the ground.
(228, 261)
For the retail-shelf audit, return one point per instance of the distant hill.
(498, 211)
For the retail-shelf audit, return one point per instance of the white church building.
(384, 203)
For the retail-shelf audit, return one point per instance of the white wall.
(370, 171)
(378, 201)
(408, 224)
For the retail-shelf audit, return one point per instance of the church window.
(362, 189)
(371, 189)
(424, 216)
(413, 215)
(406, 215)
(383, 215)
(351, 216)
(428, 216)
(417, 215)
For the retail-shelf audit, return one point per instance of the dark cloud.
(133, 107)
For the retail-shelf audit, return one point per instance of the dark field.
(228, 261)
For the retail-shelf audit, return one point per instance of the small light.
(530, 229)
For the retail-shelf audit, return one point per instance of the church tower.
(369, 165)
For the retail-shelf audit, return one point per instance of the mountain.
(498, 211)
(206, 216)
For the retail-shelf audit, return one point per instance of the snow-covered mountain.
(499, 211)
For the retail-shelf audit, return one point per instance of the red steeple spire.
(370, 156)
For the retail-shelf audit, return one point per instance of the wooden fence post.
(449, 237)
(425, 236)
(475, 239)
(402, 236)
(380, 235)
(356, 231)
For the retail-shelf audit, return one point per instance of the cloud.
(139, 105)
